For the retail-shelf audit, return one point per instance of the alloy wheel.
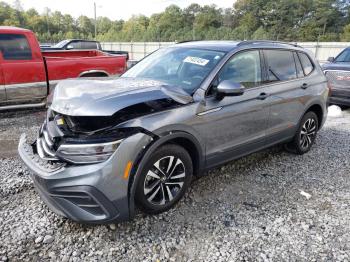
(164, 180)
(308, 133)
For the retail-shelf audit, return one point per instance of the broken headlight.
(87, 153)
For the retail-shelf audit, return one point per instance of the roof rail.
(186, 41)
(248, 42)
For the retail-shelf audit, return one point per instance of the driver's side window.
(243, 68)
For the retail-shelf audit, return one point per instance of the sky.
(113, 9)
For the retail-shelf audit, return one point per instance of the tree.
(85, 25)
(288, 20)
(345, 36)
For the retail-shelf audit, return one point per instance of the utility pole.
(47, 11)
(95, 20)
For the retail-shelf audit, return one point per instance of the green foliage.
(345, 36)
(288, 20)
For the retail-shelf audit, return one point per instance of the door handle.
(304, 86)
(263, 96)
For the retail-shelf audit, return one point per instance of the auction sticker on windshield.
(196, 60)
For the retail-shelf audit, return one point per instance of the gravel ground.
(270, 206)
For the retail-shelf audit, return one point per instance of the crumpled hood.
(86, 97)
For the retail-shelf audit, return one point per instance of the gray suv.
(109, 146)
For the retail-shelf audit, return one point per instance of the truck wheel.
(305, 135)
(97, 74)
(164, 179)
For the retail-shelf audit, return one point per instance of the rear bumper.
(96, 193)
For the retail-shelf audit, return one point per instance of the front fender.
(162, 139)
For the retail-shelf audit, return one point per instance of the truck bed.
(75, 63)
(73, 53)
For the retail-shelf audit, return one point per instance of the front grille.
(339, 79)
(45, 145)
(31, 152)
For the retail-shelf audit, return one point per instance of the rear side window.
(74, 45)
(88, 45)
(280, 65)
(15, 47)
(306, 63)
(300, 71)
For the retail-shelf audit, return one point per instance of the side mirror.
(229, 88)
(69, 47)
(331, 59)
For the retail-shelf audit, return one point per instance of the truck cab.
(70, 44)
(22, 66)
(82, 44)
(337, 71)
(27, 74)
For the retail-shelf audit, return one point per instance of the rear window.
(15, 47)
(281, 65)
(306, 63)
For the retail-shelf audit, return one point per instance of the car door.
(23, 71)
(236, 125)
(286, 83)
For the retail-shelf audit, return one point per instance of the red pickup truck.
(27, 74)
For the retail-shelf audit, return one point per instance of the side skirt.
(245, 150)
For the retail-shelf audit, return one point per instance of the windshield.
(183, 67)
(61, 44)
(344, 56)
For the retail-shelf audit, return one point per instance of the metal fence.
(137, 50)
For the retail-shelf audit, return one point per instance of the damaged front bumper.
(89, 193)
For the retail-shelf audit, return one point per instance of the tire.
(164, 179)
(305, 135)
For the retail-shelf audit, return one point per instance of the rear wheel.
(305, 135)
(164, 179)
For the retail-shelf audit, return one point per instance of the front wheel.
(164, 179)
(305, 135)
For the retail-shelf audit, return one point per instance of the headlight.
(87, 153)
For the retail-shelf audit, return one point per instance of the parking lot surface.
(269, 206)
